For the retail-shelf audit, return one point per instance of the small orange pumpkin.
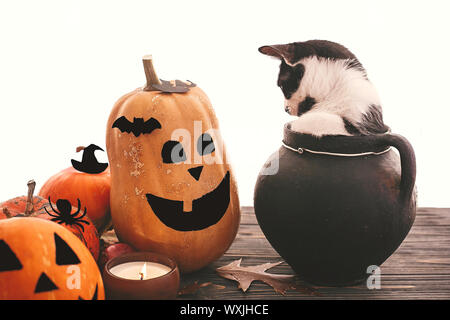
(71, 218)
(43, 260)
(87, 181)
(29, 205)
(173, 195)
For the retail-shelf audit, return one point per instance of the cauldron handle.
(408, 163)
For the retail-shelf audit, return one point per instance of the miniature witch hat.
(89, 163)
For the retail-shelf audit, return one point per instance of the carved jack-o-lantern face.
(191, 214)
(43, 260)
(184, 160)
(172, 190)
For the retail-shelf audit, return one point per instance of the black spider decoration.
(64, 214)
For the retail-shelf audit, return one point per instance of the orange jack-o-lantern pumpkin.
(43, 260)
(172, 190)
(62, 212)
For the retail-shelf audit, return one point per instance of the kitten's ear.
(280, 51)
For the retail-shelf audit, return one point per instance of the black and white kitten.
(326, 86)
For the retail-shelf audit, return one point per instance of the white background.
(63, 64)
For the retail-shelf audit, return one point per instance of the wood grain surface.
(419, 269)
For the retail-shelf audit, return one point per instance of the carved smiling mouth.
(206, 210)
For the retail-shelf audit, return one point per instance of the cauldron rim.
(335, 143)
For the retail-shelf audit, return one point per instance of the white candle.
(139, 270)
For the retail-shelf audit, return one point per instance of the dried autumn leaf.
(108, 238)
(246, 275)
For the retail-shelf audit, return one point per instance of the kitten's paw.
(319, 124)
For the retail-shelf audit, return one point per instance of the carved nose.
(287, 109)
(196, 172)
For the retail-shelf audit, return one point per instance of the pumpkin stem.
(150, 73)
(6, 213)
(30, 207)
(78, 149)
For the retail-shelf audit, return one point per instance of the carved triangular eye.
(8, 259)
(44, 284)
(64, 254)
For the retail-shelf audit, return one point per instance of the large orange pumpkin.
(43, 260)
(62, 212)
(88, 181)
(170, 191)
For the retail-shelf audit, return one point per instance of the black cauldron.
(332, 207)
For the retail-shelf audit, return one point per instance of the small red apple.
(112, 251)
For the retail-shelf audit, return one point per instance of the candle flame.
(143, 272)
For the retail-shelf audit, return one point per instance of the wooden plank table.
(419, 269)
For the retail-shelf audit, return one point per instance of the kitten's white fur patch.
(319, 124)
(339, 92)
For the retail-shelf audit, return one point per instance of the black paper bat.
(138, 126)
